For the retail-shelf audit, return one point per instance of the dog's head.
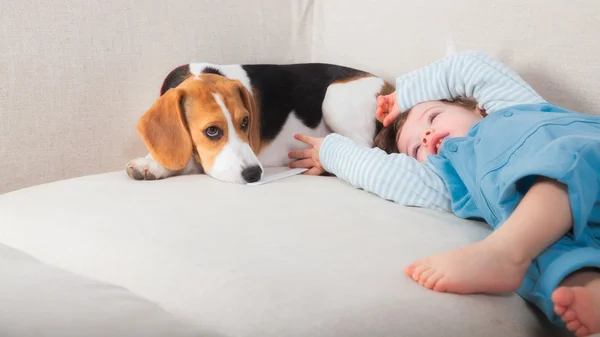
(211, 118)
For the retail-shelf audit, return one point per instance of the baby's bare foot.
(482, 267)
(579, 307)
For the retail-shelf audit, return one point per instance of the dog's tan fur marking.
(164, 132)
(387, 89)
(176, 122)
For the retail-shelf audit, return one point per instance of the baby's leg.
(577, 301)
(499, 262)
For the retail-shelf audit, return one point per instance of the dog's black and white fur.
(314, 99)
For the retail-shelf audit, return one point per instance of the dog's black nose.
(252, 174)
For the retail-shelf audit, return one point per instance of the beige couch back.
(551, 44)
(76, 77)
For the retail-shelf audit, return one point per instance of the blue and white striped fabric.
(468, 74)
(400, 178)
(394, 177)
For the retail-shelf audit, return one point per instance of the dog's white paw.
(145, 169)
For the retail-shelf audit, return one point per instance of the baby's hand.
(308, 158)
(387, 109)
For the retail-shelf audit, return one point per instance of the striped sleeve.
(470, 74)
(395, 177)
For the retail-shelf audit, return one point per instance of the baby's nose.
(425, 139)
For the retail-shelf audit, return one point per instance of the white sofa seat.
(303, 256)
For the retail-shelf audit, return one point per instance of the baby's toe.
(432, 280)
(419, 270)
(441, 285)
(410, 269)
(582, 331)
(560, 310)
(574, 325)
(563, 296)
(426, 275)
(569, 316)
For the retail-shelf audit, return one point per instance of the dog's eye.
(213, 132)
(244, 124)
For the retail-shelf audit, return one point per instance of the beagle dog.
(231, 121)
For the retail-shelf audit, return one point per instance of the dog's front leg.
(146, 168)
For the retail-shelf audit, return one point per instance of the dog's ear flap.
(250, 103)
(164, 131)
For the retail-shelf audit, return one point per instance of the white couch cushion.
(39, 300)
(303, 256)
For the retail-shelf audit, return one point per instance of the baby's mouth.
(439, 141)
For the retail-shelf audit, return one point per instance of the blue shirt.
(490, 169)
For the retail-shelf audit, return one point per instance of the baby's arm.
(394, 177)
(468, 74)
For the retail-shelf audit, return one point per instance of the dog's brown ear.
(164, 131)
(250, 103)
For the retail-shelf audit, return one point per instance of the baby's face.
(430, 123)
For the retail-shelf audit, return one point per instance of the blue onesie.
(489, 171)
(485, 174)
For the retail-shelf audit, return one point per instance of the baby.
(466, 134)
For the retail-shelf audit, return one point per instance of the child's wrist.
(328, 147)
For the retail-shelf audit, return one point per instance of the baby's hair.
(387, 138)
